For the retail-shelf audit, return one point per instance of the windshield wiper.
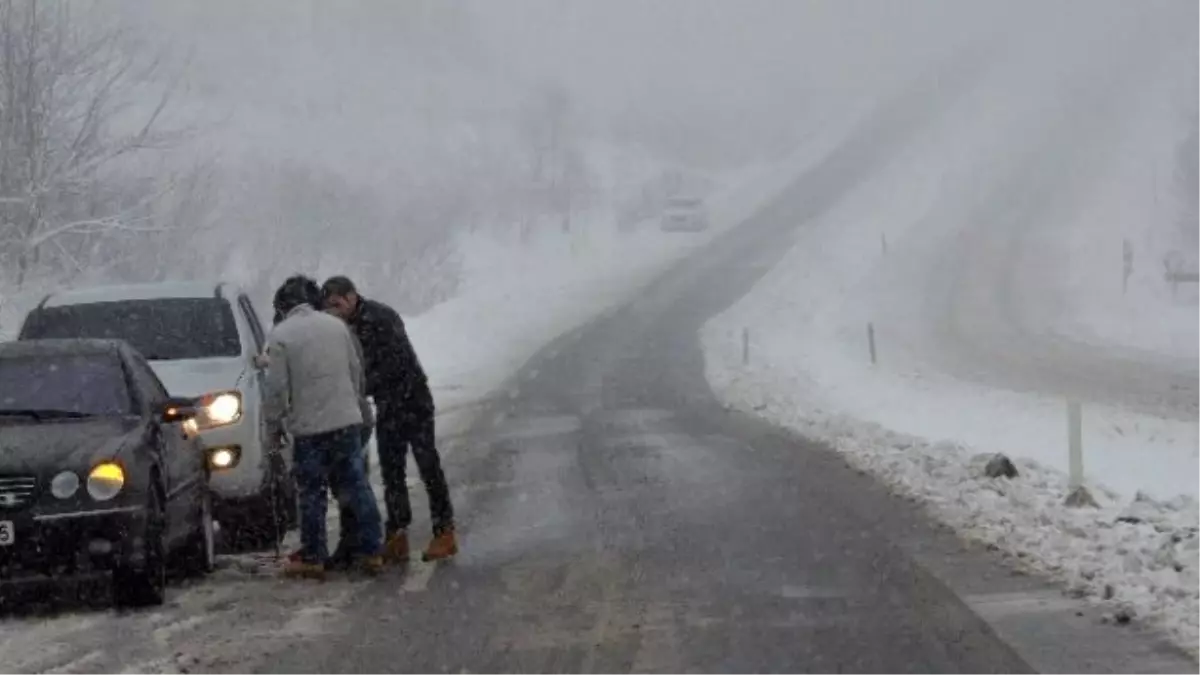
(45, 413)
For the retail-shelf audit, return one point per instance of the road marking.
(539, 427)
(416, 578)
(1003, 605)
(806, 592)
(636, 417)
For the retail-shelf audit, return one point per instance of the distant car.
(684, 214)
(98, 478)
(204, 341)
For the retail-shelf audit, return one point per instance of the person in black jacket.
(404, 419)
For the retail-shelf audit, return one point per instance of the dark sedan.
(99, 475)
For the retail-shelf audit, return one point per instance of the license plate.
(8, 533)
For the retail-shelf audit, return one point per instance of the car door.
(258, 334)
(181, 458)
(259, 338)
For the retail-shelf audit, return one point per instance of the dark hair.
(295, 291)
(338, 285)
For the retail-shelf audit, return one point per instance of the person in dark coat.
(314, 393)
(404, 417)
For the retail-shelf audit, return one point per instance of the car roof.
(59, 347)
(151, 291)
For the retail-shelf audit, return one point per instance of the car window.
(147, 381)
(252, 318)
(164, 329)
(91, 384)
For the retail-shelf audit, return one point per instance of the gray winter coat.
(314, 381)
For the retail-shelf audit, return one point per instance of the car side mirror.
(177, 409)
(260, 361)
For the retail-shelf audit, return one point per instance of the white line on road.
(416, 578)
(998, 605)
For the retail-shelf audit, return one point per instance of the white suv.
(202, 340)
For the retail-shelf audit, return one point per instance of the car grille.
(16, 491)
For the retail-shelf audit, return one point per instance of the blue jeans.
(334, 458)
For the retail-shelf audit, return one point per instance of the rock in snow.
(999, 466)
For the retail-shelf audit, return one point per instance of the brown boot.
(372, 565)
(443, 546)
(298, 569)
(395, 550)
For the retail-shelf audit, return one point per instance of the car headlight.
(64, 485)
(218, 409)
(224, 457)
(105, 481)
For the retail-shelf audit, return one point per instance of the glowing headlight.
(105, 481)
(64, 485)
(223, 458)
(218, 410)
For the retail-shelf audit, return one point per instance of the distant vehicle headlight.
(218, 409)
(64, 485)
(105, 481)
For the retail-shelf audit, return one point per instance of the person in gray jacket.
(314, 394)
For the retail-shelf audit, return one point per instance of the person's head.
(295, 291)
(339, 296)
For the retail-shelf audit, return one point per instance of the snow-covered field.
(1043, 179)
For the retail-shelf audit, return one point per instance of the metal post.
(745, 346)
(1075, 444)
(871, 340)
(1127, 255)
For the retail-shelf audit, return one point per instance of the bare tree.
(557, 169)
(78, 105)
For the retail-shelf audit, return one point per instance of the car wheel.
(146, 585)
(200, 553)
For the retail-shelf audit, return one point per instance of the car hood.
(193, 377)
(63, 444)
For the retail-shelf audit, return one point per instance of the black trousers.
(400, 427)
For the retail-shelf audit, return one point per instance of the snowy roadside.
(807, 373)
(1151, 565)
(876, 257)
(1138, 556)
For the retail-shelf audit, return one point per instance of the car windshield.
(165, 329)
(63, 385)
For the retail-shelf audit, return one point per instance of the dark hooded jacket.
(393, 372)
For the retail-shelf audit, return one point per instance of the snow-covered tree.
(80, 107)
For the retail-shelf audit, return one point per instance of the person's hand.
(277, 441)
